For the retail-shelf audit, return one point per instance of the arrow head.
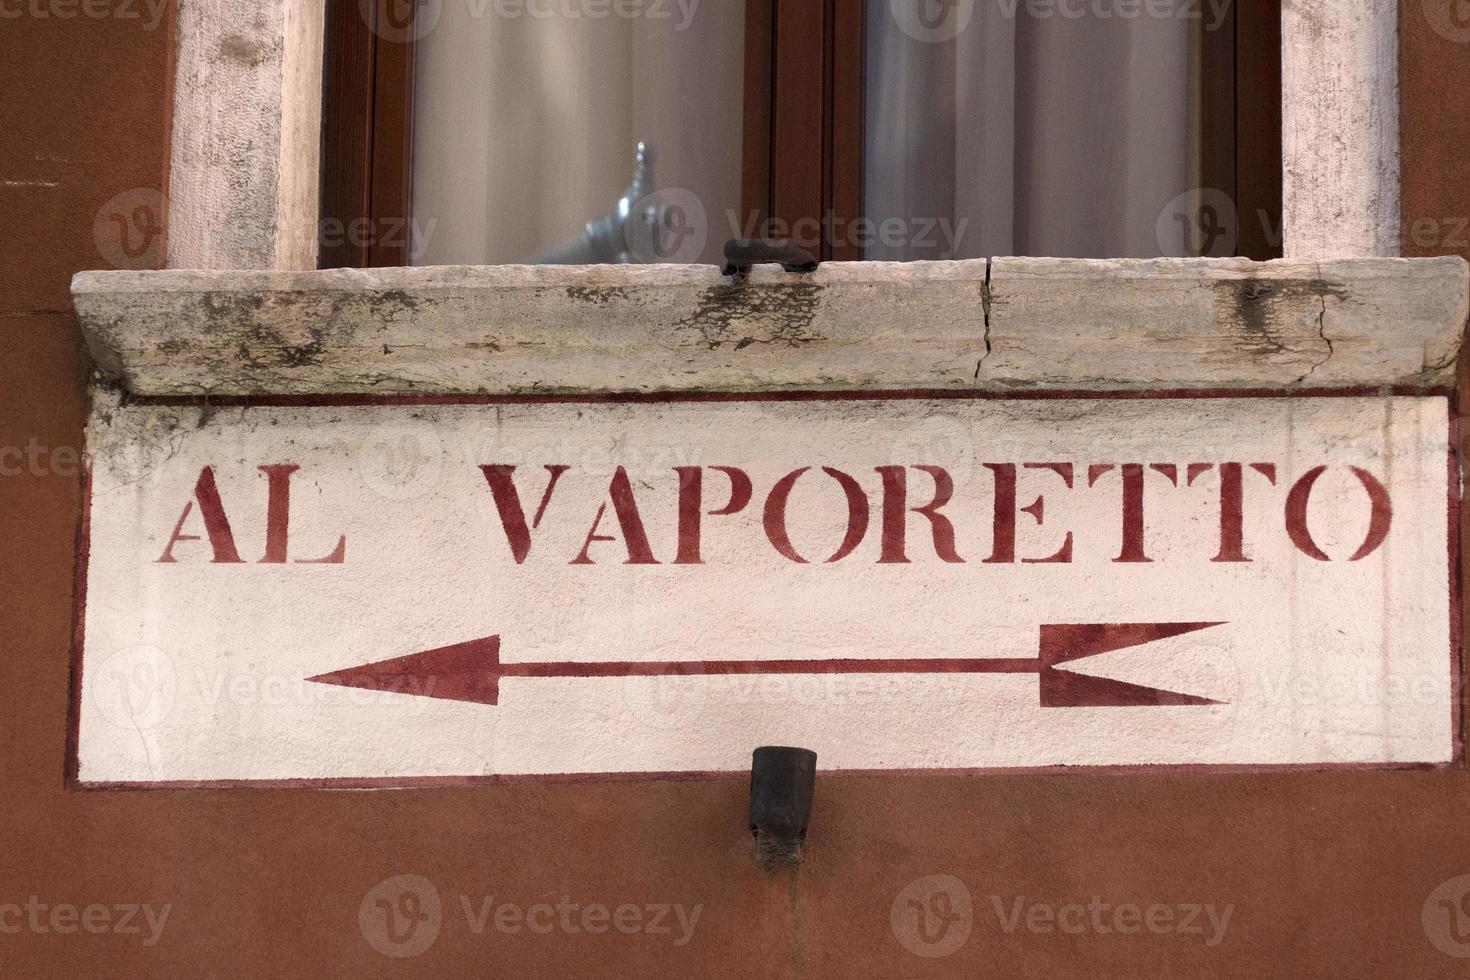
(461, 672)
(1064, 644)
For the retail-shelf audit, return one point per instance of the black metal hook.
(743, 253)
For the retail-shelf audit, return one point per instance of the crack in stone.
(1321, 332)
(985, 306)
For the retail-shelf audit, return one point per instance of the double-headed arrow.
(472, 671)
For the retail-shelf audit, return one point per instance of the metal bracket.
(741, 254)
(781, 784)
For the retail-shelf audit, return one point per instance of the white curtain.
(525, 126)
(1052, 135)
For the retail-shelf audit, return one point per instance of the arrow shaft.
(472, 671)
(707, 667)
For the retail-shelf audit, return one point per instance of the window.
(500, 131)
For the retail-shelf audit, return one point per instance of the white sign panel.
(375, 593)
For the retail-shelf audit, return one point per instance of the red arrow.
(472, 671)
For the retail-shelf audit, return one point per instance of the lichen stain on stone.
(230, 312)
(727, 313)
(304, 355)
(236, 47)
(392, 303)
(1260, 308)
(365, 306)
(266, 328)
(596, 295)
(264, 348)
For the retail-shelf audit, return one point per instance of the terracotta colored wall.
(1328, 873)
(1434, 62)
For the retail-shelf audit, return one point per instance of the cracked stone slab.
(1225, 322)
(518, 329)
(970, 325)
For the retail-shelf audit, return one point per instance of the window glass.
(1057, 128)
(527, 117)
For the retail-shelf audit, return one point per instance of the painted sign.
(379, 592)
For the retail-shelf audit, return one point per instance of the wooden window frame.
(804, 75)
(367, 136)
(1240, 122)
(803, 128)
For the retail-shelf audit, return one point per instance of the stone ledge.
(1001, 324)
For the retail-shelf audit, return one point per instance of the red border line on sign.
(1457, 653)
(72, 777)
(78, 631)
(659, 397)
(451, 782)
